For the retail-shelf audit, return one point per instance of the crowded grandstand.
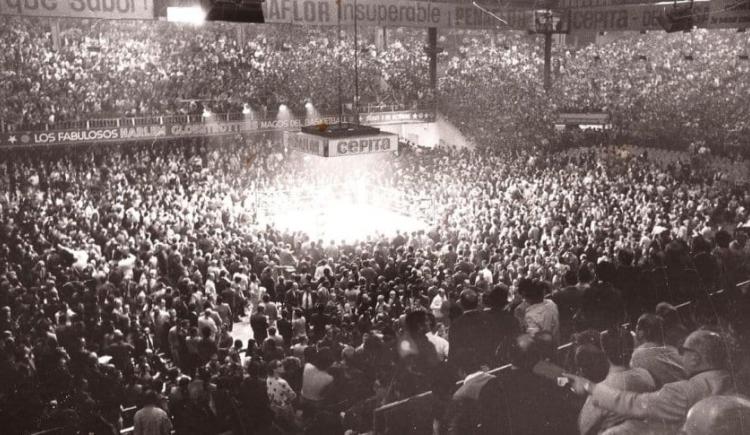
(170, 264)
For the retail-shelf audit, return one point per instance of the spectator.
(704, 359)
(502, 327)
(618, 347)
(259, 324)
(281, 395)
(537, 314)
(718, 415)
(520, 402)
(151, 420)
(464, 340)
(662, 361)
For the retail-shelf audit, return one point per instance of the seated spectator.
(719, 415)
(674, 329)
(652, 354)
(591, 362)
(704, 358)
(618, 347)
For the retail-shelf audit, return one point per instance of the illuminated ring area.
(341, 213)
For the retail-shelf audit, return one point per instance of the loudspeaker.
(240, 11)
(677, 19)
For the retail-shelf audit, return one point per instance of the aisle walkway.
(242, 331)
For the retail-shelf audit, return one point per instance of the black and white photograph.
(374, 217)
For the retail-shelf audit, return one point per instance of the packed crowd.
(666, 90)
(660, 89)
(123, 272)
(139, 69)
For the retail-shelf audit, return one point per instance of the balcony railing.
(389, 418)
(174, 119)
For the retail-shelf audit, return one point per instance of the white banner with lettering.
(105, 9)
(390, 13)
(351, 146)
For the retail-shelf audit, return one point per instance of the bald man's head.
(719, 415)
(703, 350)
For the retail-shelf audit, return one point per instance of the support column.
(240, 34)
(547, 61)
(55, 30)
(432, 49)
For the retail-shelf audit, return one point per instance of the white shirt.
(441, 345)
(437, 302)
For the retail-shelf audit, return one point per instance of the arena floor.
(342, 221)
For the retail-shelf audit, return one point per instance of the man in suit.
(662, 361)
(704, 358)
(259, 324)
(308, 299)
(502, 326)
(466, 336)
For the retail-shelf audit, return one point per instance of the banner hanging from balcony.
(102, 9)
(208, 127)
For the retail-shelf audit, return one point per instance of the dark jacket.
(467, 341)
(519, 402)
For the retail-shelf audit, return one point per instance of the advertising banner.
(104, 9)
(729, 13)
(620, 18)
(305, 143)
(207, 128)
(713, 14)
(351, 146)
(396, 117)
(391, 13)
(585, 4)
(583, 118)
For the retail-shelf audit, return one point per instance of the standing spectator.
(537, 314)
(151, 420)
(281, 395)
(520, 402)
(502, 327)
(465, 343)
(259, 324)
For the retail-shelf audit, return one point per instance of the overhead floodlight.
(283, 108)
(191, 15)
(246, 110)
